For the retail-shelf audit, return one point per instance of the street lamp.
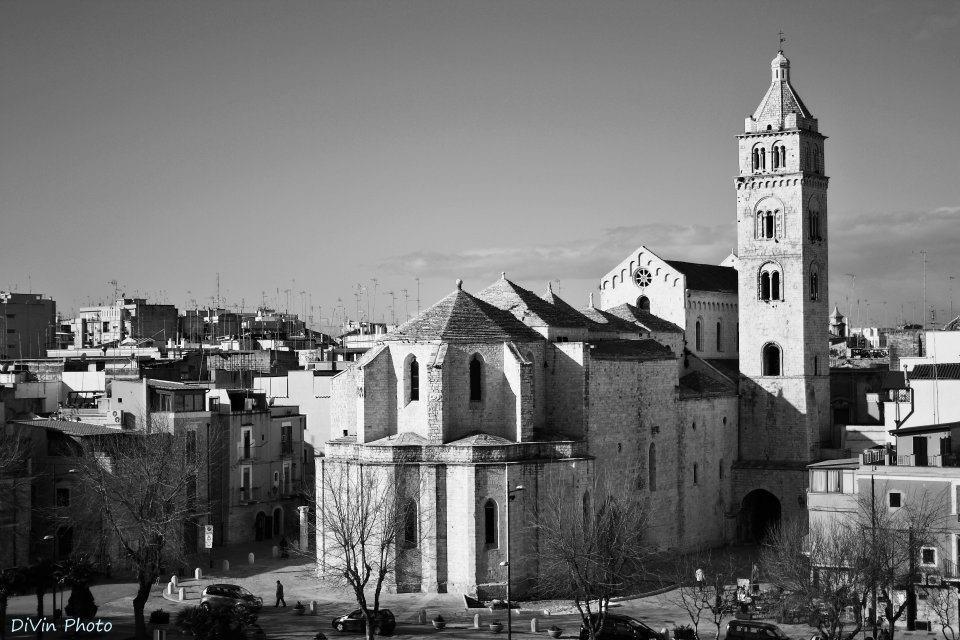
(511, 494)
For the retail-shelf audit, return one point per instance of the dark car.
(618, 627)
(226, 596)
(354, 621)
(751, 630)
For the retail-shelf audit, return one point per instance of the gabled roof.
(645, 319)
(607, 321)
(405, 439)
(72, 428)
(702, 383)
(707, 277)
(461, 317)
(940, 371)
(630, 350)
(527, 306)
(729, 367)
(480, 440)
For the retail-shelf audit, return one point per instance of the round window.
(642, 277)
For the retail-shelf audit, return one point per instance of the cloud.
(585, 258)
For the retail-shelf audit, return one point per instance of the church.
(703, 387)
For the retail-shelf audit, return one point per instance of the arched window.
(764, 286)
(699, 335)
(814, 285)
(769, 283)
(767, 224)
(490, 523)
(413, 371)
(775, 285)
(696, 475)
(643, 303)
(652, 467)
(771, 360)
(476, 379)
(756, 158)
(763, 159)
(719, 336)
(779, 155)
(410, 525)
(721, 468)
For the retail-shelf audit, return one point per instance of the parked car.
(221, 596)
(619, 627)
(354, 621)
(752, 630)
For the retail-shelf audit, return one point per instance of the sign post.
(208, 541)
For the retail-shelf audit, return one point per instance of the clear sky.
(312, 146)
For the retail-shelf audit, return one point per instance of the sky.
(316, 146)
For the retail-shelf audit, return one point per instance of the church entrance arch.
(260, 530)
(759, 515)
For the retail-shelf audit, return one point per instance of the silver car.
(229, 596)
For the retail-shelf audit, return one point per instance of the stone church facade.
(703, 387)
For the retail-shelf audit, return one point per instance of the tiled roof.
(780, 99)
(707, 277)
(479, 440)
(940, 371)
(405, 439)
(646, 319)
(729, 367)
(527, 306)
(72, 428)
(630, 350)
(460, 317)
(701, 383)
(606, 321)
(953, 325)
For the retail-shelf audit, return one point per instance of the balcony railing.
(911, 460)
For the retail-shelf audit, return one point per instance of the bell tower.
(782, 270)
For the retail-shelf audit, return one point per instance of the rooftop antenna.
(853, 288)
(406, 297)
(393, 306)
(782, 40)
(217, 304)
(116, 288)
(923, 252)
(418, 295)
(950, 280)
(373, 312)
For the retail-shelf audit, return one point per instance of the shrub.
(159, 616)
(684, 632)
(81, 603)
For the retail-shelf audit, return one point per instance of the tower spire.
(782, 40)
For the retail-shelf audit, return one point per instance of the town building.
(126, 320)
(28, 324)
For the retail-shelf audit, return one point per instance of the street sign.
(208, 536)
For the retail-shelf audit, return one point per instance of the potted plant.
(496, 626)
(299, 608)
(439, 623)
(554, 631)
(159, 617)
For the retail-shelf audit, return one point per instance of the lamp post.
(511, 494)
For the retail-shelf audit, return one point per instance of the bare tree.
(592, 544)
(943, 603)
(141, 489)
(15, 478)
(371, 520)
(822, 572)
(706, 587)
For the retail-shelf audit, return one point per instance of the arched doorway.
(643, 303)
(260, 526)
(759, 514)
(277, 521)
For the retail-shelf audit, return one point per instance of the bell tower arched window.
(779, 156)
(476, 378)
(698, 334)
(767, 224)
(719, 336)
(759, 158)
(771, 360)
(814, 284)
(413, 371)
(769, 284)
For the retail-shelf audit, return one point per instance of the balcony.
(245, 495)
(911, 460)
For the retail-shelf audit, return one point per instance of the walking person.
(280, 595)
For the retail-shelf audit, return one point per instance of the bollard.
(476, 621)
(197, 574)
(533, 626)
(422, 616)
(180, 594)
(170, 588)
(173, 581)
(250, 558)
(313, 607)
(226, 566)
(275, 550)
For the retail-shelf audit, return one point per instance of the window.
(814, 285)
(643, 303)
(414, 373)
(928, 556)
(247, 444)
(759, 158)
(771, 360)
(696, 477)
(719, 336)
(490, 523)
(721, 468)
(779, 156)
(699, 335)
(642, 277)
(410, 528)
(652, 467)
(476, 379)
(767, 222)
(768, 285)
(894, 500)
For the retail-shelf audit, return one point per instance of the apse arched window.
(413, 374)
(410, 525)
(490, 523)
(771, 360)
(643, 303)
(476, 379)
(719, 336)
(652, 467)
(698, 335)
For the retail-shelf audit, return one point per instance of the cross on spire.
(782, 40)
